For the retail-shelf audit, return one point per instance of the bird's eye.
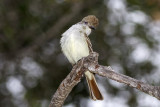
(86, 22)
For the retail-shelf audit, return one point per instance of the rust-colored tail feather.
(93, 87)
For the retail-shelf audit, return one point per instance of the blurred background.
(32, 65)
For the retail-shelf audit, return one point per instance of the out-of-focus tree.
(32, 64)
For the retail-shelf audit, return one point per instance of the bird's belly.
(75, 48)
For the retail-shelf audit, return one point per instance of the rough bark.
(72, 79)
(91, 63)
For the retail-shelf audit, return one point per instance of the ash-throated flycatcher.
(75, 45)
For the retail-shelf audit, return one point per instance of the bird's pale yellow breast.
(74, 44)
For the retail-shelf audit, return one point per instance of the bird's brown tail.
(93, 87)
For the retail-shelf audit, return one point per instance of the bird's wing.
(89, 43)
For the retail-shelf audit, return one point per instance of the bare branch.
(91, 63)
(109, 73)
(72, 79)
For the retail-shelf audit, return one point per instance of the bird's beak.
(93, 28)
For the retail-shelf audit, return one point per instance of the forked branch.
(91, 63)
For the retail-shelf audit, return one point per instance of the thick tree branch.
(91, 63)
(72, 79)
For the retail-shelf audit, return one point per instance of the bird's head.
(91, 21)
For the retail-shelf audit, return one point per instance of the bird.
(75, 44)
